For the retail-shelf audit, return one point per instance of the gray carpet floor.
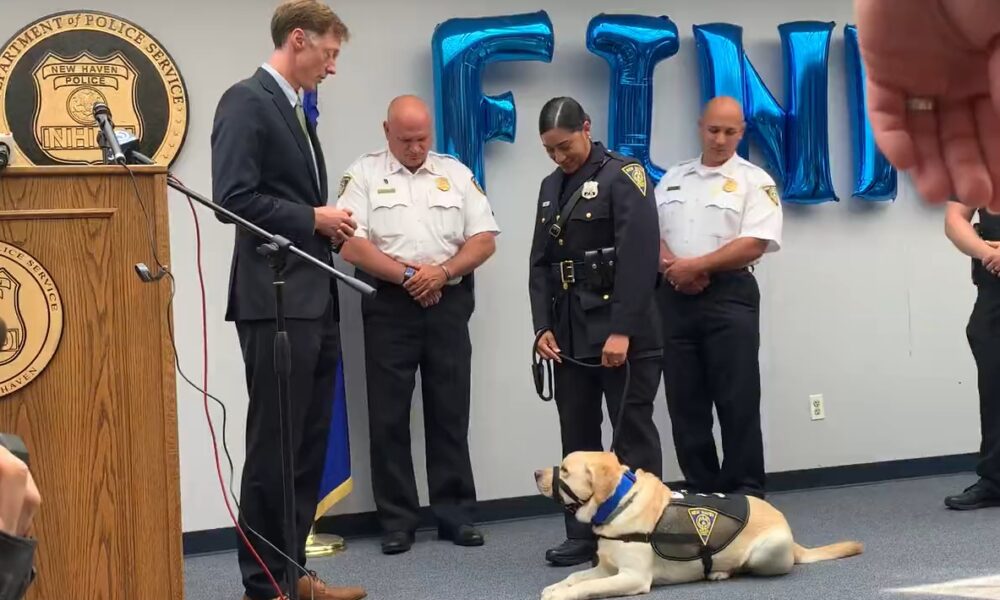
(910, 540)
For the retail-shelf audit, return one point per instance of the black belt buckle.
(567, 273)
(555, 230)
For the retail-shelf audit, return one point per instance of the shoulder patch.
(478, 187)
(637, 174)
(772, 193)
(346, 179)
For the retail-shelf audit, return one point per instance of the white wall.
(865, 304)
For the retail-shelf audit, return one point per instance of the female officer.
(594, 266)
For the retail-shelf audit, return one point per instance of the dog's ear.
(602, 479)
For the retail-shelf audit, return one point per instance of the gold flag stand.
(319, 545)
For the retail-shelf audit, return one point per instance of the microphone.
(4, 155)
(102, 114)
(129, 145)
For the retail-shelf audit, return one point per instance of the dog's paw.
(718, 576)
(556, 591)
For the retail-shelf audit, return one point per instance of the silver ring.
(918, 103)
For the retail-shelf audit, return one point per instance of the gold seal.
(53, 71)
(729, 186)
(31, 307)
(443, 184)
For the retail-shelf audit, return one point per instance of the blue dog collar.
(608, 506)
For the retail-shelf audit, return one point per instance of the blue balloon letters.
(466, 119)
(632, 45)
(794, 140)
(874, 177)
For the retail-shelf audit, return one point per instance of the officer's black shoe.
(397, 542)
(978, 495)
(572, 552)
(464, 535)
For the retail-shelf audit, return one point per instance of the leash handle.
(542, 367)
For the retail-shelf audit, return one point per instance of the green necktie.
(300, 112)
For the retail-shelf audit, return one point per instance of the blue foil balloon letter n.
(874, 177)
(632, 45)
(467, 119)
(795, 140)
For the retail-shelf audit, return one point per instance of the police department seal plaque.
(31, 307)
(55, 69)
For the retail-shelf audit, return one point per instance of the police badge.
(589, 190)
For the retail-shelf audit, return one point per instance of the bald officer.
(718, 215)
(423, 226)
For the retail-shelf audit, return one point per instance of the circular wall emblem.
(31, 307)
(55, 69)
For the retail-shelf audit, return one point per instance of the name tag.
(673, 188)
(386, 191)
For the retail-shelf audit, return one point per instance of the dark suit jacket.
(262, 171)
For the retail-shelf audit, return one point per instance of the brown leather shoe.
(312, 587)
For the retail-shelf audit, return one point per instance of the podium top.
(74, 170)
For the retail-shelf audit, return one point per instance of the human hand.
(686, 273)
(942, 53)
(696, 287)
(429, 299)
(335, 223)
(547, 347)
(428, 278)
(615, 350)
(19, 497)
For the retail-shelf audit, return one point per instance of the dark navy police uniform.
(592, 276)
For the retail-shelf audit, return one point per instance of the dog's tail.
(829, 552)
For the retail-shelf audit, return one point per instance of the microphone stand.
(276, 248)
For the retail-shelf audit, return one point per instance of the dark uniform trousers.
(983, 332)
(401, 336)
(578, 392)
(315, 348)
(710, 356)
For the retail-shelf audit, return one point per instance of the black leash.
(542, 367)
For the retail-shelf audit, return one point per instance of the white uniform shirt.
(703, 208)
(422, 217)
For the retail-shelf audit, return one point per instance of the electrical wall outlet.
(816, 409)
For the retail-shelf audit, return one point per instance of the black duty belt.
(597, 269)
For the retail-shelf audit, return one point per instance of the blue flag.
(336, 482)
(310, 107)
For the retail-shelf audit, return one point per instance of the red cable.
(208, 416)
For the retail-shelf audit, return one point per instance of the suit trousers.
(315, 349)
(711, 342)
(400, 337)
(983, 333)
(578, 392)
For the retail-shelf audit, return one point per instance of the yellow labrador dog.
(649, 535)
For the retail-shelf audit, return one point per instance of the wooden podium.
(100, 418)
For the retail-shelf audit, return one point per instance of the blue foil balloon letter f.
(466, 119)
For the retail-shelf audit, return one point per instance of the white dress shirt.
(703, 208)
(422, 217)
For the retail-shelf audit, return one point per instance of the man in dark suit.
(268, 167)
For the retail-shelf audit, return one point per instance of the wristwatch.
(409, 272)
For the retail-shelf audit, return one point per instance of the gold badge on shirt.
(443, 184)
(729, 186)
